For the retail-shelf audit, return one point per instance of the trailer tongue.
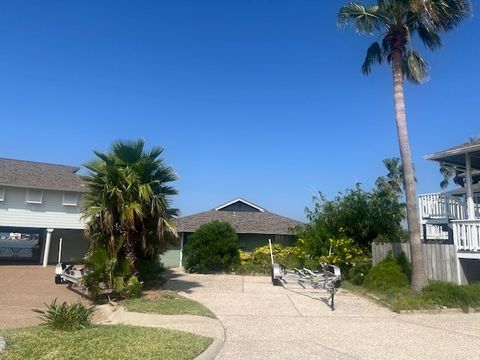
(329, 278)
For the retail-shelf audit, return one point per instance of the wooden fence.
(441, 261)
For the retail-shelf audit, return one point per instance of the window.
(34, 196)
(2, 194)
(70, 199)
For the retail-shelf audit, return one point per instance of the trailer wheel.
(276, 275)
(58, 279)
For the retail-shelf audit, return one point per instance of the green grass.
(167, 303)
(101, 342)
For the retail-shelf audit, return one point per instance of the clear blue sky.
(261, 99)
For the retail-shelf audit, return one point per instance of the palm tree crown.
(399, 20)
(128, 200)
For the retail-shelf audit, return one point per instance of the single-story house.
(253, 224)
(39, 204)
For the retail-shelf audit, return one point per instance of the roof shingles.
(29, 174)
(243, 222)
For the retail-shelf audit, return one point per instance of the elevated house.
(454, 216)
(39, 204)
(253, 224)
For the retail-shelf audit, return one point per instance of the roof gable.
(239, 205)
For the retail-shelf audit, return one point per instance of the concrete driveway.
(23, 288)
(266, 322)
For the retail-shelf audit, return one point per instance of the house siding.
(15, 212)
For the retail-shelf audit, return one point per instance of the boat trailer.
(329, 278)
(67, 273)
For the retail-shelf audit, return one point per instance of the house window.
(34, 196)
(70, 199)
(2, 194)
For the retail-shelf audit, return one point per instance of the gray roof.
(30, 174)
(243, 222)
(456, 155)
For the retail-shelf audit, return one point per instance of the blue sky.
(261, 99)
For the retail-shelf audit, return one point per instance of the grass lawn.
(167, 303)
(101, 342)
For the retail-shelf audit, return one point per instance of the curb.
(212, 351)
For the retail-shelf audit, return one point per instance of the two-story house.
(39, 204)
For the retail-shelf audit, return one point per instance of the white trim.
(64, 203)
(32, 201)
(241, 200)
(2, 194)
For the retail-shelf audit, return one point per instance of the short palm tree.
(127, 205)
(398, 21)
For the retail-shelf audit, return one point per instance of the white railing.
(434, 232)
(437, 206)
(466, 234)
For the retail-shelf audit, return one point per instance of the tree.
(127, 205)
(397, 21)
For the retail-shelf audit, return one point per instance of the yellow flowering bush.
(344, 253)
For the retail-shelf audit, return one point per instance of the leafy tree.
(213, 247)
(127, 206)
(397, 21)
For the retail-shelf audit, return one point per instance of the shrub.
(344, 253)
(66, 317)
(260, 262)
(360, 270)
(386, 276)
(150, 269)
(213, 247)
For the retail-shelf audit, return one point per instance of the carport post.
(47, 247)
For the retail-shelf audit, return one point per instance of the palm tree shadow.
(176, 280)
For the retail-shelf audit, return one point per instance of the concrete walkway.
(266, 322)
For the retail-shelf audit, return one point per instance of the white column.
(468, 183)
(48, 239)
(181, 249)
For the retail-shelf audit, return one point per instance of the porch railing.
(438, 206)
(466, 234)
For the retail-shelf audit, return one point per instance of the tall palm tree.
(127, 205)
(398, 21)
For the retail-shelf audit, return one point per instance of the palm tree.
(397, 21)
(127, 206)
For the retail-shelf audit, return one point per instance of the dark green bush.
(150, 269)
(386, 276)
(213, 247)
(359, 271)
(405, 265)
(66, 317)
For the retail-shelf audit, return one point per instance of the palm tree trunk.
(419, 277)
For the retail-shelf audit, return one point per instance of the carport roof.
(37, 175)
(244, 222)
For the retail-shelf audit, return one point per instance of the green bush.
(66, 317)
(359, 271)
(150, 269)
(386, 276)
(213, 247)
